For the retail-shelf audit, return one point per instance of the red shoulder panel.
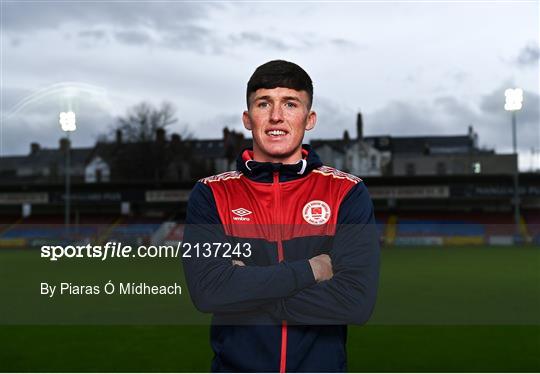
(303, 207)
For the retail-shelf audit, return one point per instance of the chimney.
(64, 144)
(118, 137)
(176, 139)
(34, 148)
(346, 137)
(160, 135)
(359, 127)
(473, 138)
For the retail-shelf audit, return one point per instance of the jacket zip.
(277, 215)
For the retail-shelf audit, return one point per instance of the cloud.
(191, 37)
(37, 119)
(92, 34)
(92, 38)
(132, 37)
(29, 17)
(446, 115)
(332, 119)
(176, 25)
(42, 127)
(296, 43)
(459, 76)
(492, 104)
(343, 43)
(212, 128)
(259, 40)
(529, 55)
(11, 96)
(452, 108)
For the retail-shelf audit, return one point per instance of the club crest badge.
(316, 212)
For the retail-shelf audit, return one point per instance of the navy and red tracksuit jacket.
(271, 315)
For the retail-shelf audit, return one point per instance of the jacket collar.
(263, 171)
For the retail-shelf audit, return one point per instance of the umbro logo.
(241, 214)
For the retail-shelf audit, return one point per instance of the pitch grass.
(185, 348)
(449, 309)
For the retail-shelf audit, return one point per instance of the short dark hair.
(280, 73)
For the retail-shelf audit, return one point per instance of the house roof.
(336, 144)
(11, 162)
(44, 158)
(432, 144)
(207, 148)
(409, 144)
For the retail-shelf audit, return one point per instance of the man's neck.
(292, 159)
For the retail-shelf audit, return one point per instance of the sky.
(411, 68)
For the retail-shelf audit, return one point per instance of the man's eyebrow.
(265, 97)
(285, 98)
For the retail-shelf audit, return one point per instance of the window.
(410, 168)
(373, 162)
(440, 168)
(476, 167)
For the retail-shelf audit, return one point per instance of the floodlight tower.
(67, 122)
(514, 102)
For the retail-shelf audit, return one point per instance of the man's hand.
(321, 266)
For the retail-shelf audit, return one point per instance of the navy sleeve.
(214, 284)
(349, 297)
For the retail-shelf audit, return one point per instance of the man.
(311, 263)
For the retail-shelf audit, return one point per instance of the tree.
(141, 122)
(142, 150)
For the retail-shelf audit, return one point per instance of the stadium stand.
(449, 228)
(49, 229)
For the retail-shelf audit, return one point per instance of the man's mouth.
(276, 133)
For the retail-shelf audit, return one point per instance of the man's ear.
(246, 120)
(311, 120)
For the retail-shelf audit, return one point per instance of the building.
(44, 164)
(355, 156)
(413, 155)
(163, 159)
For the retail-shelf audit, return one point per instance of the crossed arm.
(335, 289)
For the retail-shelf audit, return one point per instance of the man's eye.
(262, 105)
(290, 105)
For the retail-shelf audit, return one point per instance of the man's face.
(278, 118)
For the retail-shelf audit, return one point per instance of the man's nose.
(276, 115)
